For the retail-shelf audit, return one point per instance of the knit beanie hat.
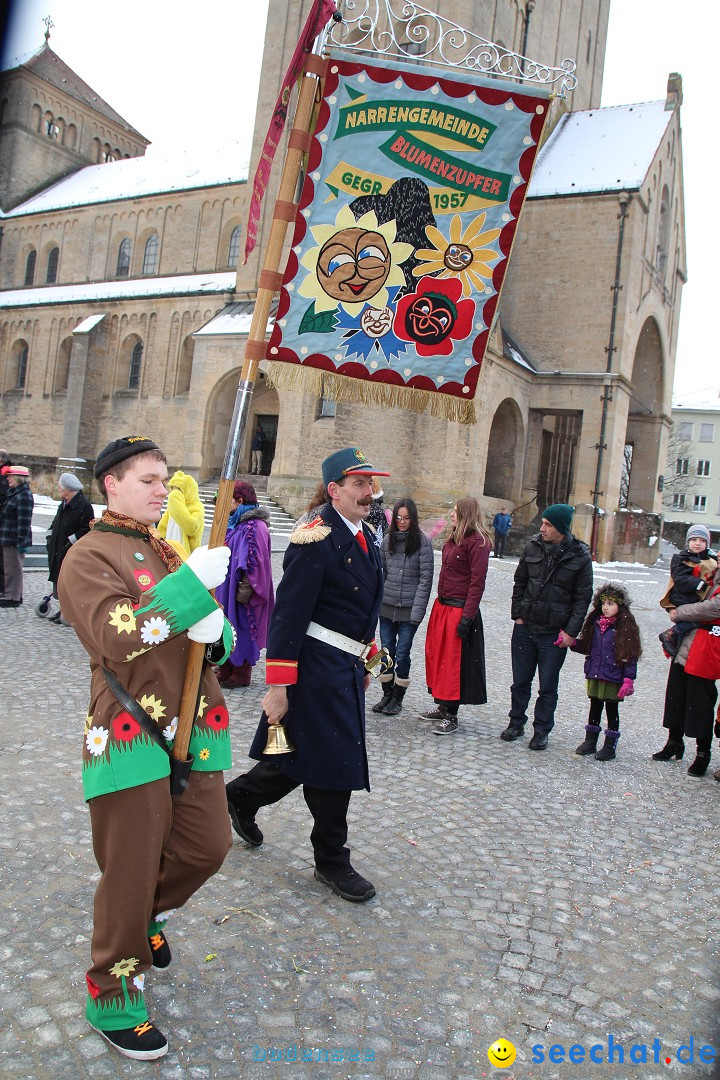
(560, 517)
(698, 530)
(121, 449)
(70, 482)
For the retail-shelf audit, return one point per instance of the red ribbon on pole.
(320, 14)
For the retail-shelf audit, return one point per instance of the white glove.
(210, 565)
(209, 629)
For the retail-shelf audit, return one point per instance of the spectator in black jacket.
(71, 521)
(553, 587)
(5, 464)
(15, 533)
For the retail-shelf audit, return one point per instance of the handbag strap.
(135, 709)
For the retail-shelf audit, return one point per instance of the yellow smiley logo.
(501, 1054)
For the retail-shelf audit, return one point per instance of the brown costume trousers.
(154, 852)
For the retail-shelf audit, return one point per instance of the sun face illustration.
(466, 255)
(354, 262)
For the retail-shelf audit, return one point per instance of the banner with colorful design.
(414, 187)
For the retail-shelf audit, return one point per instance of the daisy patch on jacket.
(154, 630)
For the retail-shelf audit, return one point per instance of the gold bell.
(277, 740)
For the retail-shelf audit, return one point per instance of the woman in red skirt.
(455, 644)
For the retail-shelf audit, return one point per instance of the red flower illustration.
(93, 988)
(125, 727)
(217, 718)
(434, 316)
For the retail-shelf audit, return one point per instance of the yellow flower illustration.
(153, 706)
(204, 754)
(202, 706)
(132, 655)
(88, 724)
(122, 617)
(353, 262)
(465, 255)
(124, 967)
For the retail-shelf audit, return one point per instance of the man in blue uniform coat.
(321, 633)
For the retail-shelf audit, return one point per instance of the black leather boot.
(700, 764)
(592, 734)
(671, 749)
(379, 706)
(395, 705)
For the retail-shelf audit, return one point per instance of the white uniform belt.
(331, 637)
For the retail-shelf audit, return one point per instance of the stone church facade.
(139, 321)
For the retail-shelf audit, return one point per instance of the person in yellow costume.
(184, 519)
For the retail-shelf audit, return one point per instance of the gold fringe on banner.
(326, 384)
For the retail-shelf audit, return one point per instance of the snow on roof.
(514, 352)
(600, 150)
(233, 319)
(708, 405)
(88, 324)
(182, 285)
(131, 178)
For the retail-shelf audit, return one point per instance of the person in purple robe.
(246, 595)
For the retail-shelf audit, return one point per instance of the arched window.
(52, 266)
(135, 366)
(123, 259)
(234, 248)
(62, 368)
(150, 258)
(20, 353)
(30, 267)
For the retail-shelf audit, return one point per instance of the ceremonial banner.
(320, 14)
(415, 184)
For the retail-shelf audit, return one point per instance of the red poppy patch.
(125, 727)
(93, 988)
(217, 718)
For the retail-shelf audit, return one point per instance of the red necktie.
(360, 537)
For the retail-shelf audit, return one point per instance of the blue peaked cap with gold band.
(347, 462)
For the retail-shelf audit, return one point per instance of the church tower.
(52, 124)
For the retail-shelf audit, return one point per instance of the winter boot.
(673, 748)
(700, 764)
(670, 642)
(395, 705)
(388, 682)
(592, 734)
(608, 750)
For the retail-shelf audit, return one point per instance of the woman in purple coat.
(246, 595)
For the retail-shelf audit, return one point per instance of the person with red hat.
(15, 533)
(320, 645)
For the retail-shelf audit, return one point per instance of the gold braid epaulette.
(312, 532)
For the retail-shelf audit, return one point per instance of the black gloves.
(463, 628)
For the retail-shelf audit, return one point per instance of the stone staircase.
(280, 524)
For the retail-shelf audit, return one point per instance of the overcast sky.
(185, 74)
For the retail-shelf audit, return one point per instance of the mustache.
(365, 501)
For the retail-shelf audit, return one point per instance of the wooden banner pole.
(269, 284)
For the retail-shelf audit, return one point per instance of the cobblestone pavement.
(540, 897)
